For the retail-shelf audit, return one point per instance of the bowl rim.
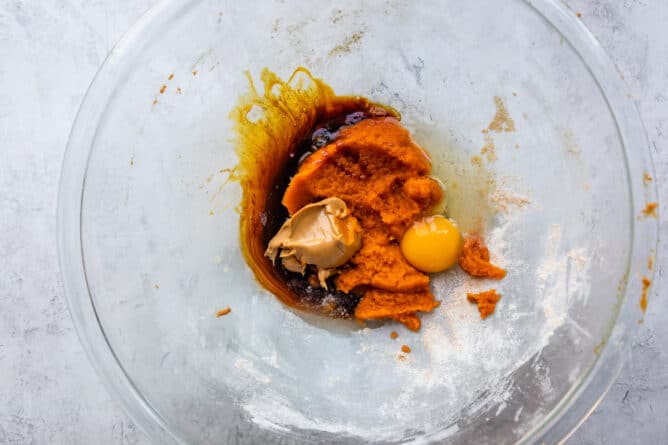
(559, 423)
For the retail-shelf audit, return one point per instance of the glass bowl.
(148, 230)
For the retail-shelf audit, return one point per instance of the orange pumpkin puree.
(486, 301)
(474, 260)
(382, 175)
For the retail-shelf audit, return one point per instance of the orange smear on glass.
(646, 283)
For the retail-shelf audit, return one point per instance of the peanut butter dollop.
(322, 234)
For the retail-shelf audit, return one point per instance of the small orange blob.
(650, 210)
(486, 302)
(162, 89)
(405, 349)
(394, 335)
(431, 244)
(646, 283)
(222, 312)
(474, 260)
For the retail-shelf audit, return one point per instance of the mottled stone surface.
(49, 52)
(633, 33)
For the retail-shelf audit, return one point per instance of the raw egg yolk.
(432, 244)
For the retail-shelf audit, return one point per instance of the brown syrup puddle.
(295, 120)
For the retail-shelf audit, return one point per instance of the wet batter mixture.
(337, 214)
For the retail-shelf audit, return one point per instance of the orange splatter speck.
(171, 76)
(347, 44)
(163, 88)
(650, 262)
(394, 335)
(157, 286)
(502, 120)
(650, 210)
(488, 149)
(646, 283)
(194, 72)
(178, 90)
(646, 178)
(579, 14)
(222, 312)
(405, 349)
(155, 101)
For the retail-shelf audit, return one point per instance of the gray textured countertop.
(49, 52)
